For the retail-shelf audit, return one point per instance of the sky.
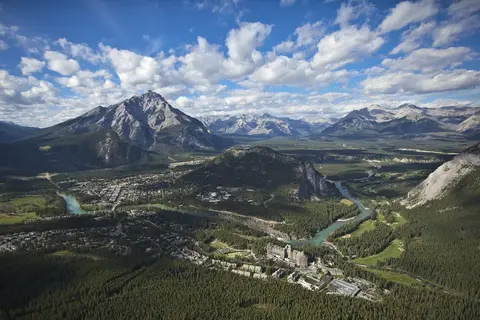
(310, 59)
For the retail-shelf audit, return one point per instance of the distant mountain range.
(264, 125)
(10, 131)
(406, 119)
(147, 128)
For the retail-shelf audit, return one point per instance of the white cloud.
(85, 81)
(411, 39)
(412, 83)
(309, 33)
(3, 45)
(79, 50)
(430, 60)
(346, 46)
(60, 63)
(288, 71)
(306, 35)
(353, 10)
(408, 12)
(285, 46)
(286, 3)
(203, 64)
(242, 45)
(31, 65)
(463, 8)
(25, 99)
(452, 30)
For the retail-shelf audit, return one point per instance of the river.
(73, 207)
(321, 235)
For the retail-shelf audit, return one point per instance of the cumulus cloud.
(306, 35)
(452, 30)
(408, 12)
(60, 63)
(309, 33)
(353, 10)
(346, 46)
(79, 50)
(429, 60)
(289, 71)
(413, 83)
(242, 44)
(31, 65)
(412, 38)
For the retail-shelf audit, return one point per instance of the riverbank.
(322, 235)
(73, 207)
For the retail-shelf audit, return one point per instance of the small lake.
(73, 207)
(321, 235)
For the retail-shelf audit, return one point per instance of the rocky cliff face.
(445, 177)
(311, 183)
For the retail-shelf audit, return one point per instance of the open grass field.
(67, 253)
(217, 244)
(394, 276)
(394, 250)
(237, 254)
(16, 219)
(366, 226)
(346, 202)
(399, 220)
(45, 148)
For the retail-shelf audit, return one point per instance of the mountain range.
(406, 120)
(265, 125)
(147, 128)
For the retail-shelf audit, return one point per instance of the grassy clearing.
(45, 148)
(217, 244)
(399, 220)
(237, 254)
(16, 219)
(347, 202)
(394, 250)
(394, 276)
(381, 217)
(366, 226)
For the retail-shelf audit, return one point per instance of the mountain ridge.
(262, 167)
(444, 178)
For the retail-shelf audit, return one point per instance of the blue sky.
(303, 59)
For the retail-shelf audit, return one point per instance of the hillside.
(10, 131)
(261, 167)
(443, 233)
(446, 177)
(94, 150)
